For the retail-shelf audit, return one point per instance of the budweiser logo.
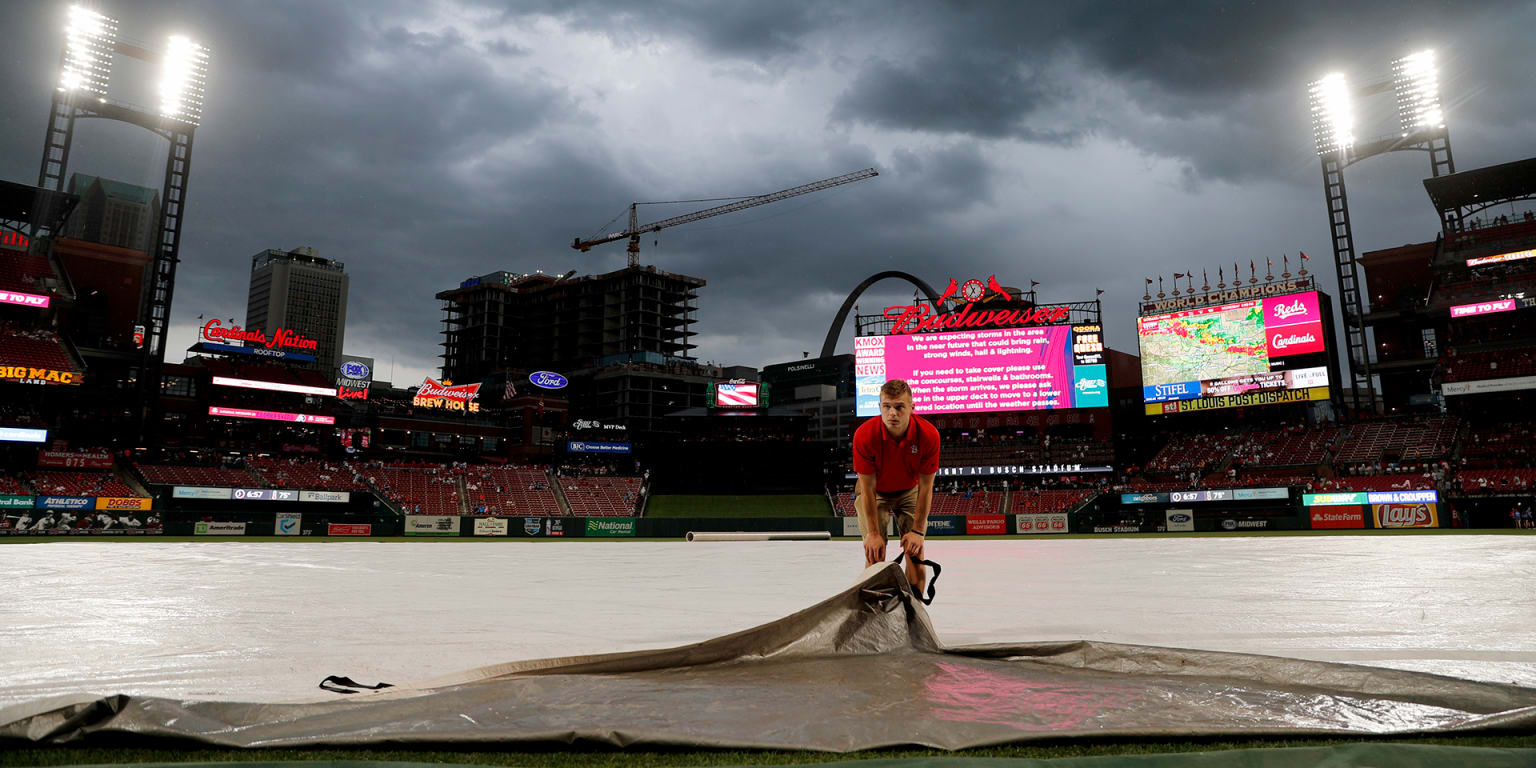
(282, 337)
(1281, 342)
(1286, 311)
(462, 392)
(921, 318)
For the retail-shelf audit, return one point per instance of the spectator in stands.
(896, 456)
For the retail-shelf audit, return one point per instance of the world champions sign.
(1256, 291)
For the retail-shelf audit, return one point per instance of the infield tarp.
(862, 670)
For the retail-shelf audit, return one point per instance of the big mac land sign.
(434, 394)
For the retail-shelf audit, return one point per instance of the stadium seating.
(57, 483)
(1411, 438)
(510, 491)
(601, 496)
(1416, 481)
(418, 490)
(210, 477)
(1497, 481)
(974, 503)
(23, 271)
(34, 348)
(1033, 502)
(11, 486)
(306, 474)
(1285, 447)
(1194, 452)
(1498, 364)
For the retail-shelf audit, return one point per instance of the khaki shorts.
(899, 505)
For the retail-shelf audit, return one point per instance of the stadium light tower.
(90, 44)
(1415, 82)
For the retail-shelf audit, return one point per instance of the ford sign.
(547, 380)
(353, 369)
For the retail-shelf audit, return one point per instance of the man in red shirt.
(896, 457)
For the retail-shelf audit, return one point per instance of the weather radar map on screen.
(1253, 352)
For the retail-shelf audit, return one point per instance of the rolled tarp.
(759, 536)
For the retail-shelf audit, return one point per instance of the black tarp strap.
(348, 685)
(932, 583)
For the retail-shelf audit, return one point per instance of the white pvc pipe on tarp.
(761, 536)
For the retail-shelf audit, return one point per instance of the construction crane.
(635, 229)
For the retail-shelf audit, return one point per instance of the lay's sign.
(1406, 515)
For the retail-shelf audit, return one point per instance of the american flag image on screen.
(736, 395)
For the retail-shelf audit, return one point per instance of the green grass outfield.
(937, 539)
(810, 505)
(571, 757)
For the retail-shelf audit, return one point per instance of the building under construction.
(504, 322)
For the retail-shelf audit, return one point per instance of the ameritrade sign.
(1369, 497)
(188, 492)
(586, 446)
(431, 525)
(1053, 523)
(1511, 384)
(26, 374)
(1004, 369)
(1501, 258)
(246, 413)
(1406, 515)
(1483, 308)
(219, 529)
(24, 299)
(273, 386)
(23, 435)
(434, 394)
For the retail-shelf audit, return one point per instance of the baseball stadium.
(1289, 524)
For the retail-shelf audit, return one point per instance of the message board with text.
(1004, 369)
(1231, 354)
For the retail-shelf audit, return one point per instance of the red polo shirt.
(896, 464)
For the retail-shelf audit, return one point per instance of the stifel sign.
(434, 394)
(282, 338)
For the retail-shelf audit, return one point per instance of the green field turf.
(738, 506)
(571, 757)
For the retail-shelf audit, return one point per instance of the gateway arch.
(829, 347)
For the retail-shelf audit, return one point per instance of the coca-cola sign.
(281, 338)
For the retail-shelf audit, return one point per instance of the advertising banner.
(329, 497)
(271, 354)
(850, 526)
(23, 435)
(1180, 519)
(1263, 397)
(1345, 499)
(1337, 517)
(219, 529)
(66, 502)
(946, 526)
(1250, 524)
(1369, 497)
(490, 526)
(431, 525)
(12, 502)
(23, 299)
(1512, 384)
(1020, 469)
(25, 374)
(1053, 523)
(349, 529)
(1406, 515)
(288, 524)
(264, 494)
(986, 525)
(602, 527)
(246, 413)
(189, 492)
(587, 446)
(73, 459)
(1483, 308)
(119, 504)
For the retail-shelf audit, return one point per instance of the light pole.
(1415, 84)
(90, 44)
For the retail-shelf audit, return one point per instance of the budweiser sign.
(921, 318)
(434, 394)
(281, 338)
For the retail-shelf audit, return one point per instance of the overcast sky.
(1083, 145)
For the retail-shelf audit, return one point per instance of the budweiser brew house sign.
(435, 394)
